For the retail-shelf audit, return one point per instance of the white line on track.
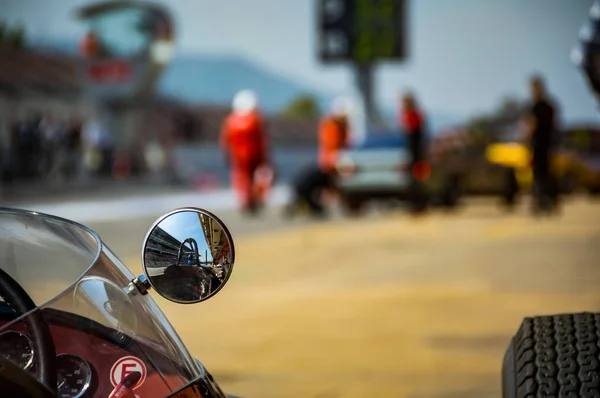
(146, 206)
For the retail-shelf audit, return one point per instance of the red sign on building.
(110, 72)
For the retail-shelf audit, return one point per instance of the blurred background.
(111, 114)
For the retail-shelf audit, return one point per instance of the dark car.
(379, 169)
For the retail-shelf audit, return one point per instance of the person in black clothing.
(542, 130)
(189, 128)
(30, 147)
(72, 149)
(412, 122)
(13, 167)
(308, 188)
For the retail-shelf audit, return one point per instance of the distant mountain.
(214, 79)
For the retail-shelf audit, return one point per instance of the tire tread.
(557, 356)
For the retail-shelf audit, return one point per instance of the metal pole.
(364, 80)
(365, 84)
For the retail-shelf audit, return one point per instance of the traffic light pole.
(362, 32)
(365, 79)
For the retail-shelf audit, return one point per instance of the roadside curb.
(95, 210)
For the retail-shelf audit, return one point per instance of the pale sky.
(185, 225)
(465, 54)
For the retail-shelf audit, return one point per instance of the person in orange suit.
(318, 180)
(333, 134)
(244, 143)
(90, 46)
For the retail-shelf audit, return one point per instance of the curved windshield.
(44, 255)
(104, 334)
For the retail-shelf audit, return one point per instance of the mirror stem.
(139, 284)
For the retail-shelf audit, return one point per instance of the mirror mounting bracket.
(139, 285)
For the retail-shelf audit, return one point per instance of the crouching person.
(316, 183)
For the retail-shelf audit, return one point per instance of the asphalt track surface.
(387, 305)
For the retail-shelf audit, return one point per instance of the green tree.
(304, 106)
(15, 37)
(2, 33)
(486, 128)
(509, 109)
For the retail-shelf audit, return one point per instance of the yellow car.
(571, 170)
(514, 156)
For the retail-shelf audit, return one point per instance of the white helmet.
(341, 107)
(245, 101)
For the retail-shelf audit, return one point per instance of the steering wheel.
(43, 345)
(194, 247)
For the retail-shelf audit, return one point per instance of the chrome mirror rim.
(204, 212)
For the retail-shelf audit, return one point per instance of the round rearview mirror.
(188, 255)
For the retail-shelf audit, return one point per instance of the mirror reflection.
(188, 256)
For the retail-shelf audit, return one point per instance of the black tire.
(510, 190)
(352, 205)
(594, 190)
(452, 192)
(554, 356)
(569, 184)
